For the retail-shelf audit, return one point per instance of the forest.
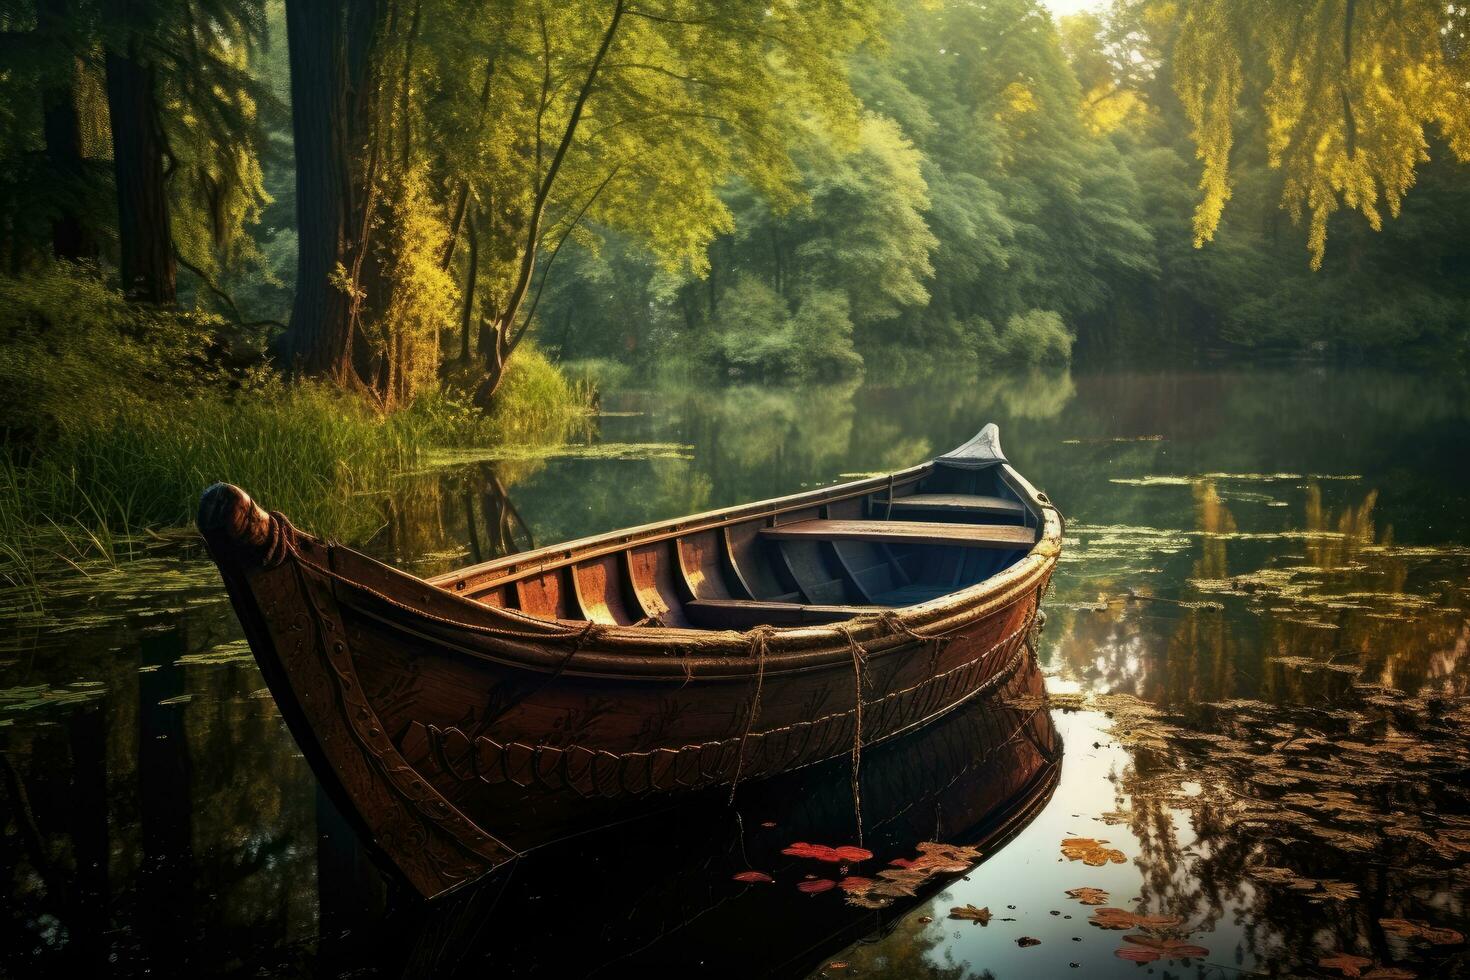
(295, 243)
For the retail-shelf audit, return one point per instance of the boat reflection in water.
(658, 891)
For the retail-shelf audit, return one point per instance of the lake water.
(1258, 649)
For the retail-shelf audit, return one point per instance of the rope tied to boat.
(281, 543)
(760, 638)
(586, 633)
(859, 681)
(895, 625)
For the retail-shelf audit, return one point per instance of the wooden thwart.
(968, 502)
(908, 532)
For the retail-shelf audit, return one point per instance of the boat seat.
(1007, 537)
(965, 503)
(740, 614)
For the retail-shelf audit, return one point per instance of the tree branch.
(223, 296)
(533, 230)
(551, 259)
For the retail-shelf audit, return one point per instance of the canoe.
(451, 718)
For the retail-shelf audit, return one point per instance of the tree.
(332, 92)
(145, 242)
(1349, 91)
(71, 236)
(530, 121)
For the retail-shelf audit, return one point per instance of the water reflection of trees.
(1318, 636)
(160, 827)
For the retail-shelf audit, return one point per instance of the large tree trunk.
(318, 340)
(329, 46)
(495, 351)
(146, 244)
(62, 130)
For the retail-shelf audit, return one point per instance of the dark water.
(1264, 584)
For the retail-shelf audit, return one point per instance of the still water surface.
(1258, 650)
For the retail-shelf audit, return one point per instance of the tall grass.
(115, 421)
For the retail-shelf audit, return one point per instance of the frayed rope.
(760, 637)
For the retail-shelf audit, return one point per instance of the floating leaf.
(1406, 929)
(1345, 963)
(821, 852)
(1174, 949)
(1135, 954)
(1090, 852)
(1025, 941)
(1111, 918)
(942, 857)
(895, 882)
(854, 883)
(971, 913)
(816, 886)
(1089, 896)
(753, 877)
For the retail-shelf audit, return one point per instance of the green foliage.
(76, 355)
(1036, 337)
(757, 337)
(536, 403)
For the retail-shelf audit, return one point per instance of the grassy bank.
(115, 420)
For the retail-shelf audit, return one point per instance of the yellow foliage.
(1352, 88)
(1016, 100)
(422, 295)
(1107, 108)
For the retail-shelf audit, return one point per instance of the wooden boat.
(451, 717)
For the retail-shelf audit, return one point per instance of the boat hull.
(455, 733)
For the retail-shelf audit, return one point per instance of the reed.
(323, 457)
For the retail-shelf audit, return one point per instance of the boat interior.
(805, 560)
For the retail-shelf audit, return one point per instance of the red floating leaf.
(753, 877)
(821, 852)
(816, 886)
(854, 883)
(902, 862)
